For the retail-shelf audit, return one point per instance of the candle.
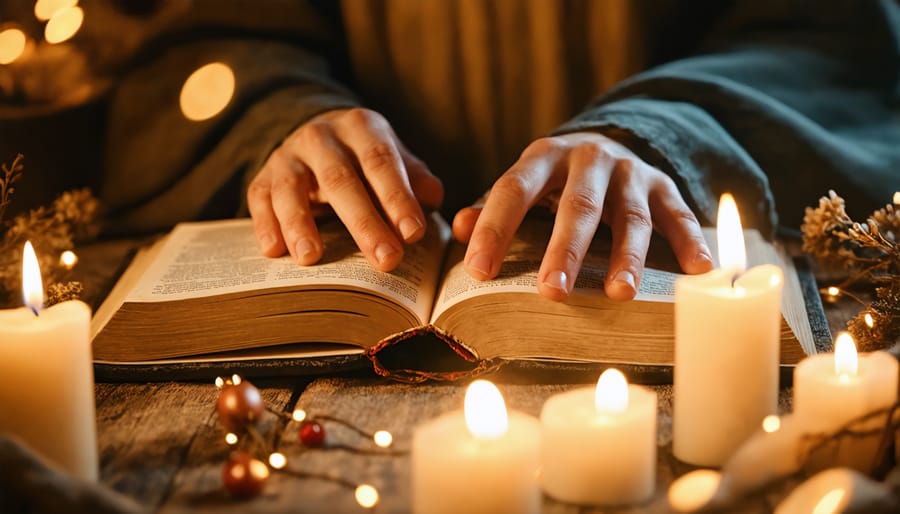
(832, 389)
(598, 445)
(479, 460)
(694, 490)
(727, 327)
(47, 394)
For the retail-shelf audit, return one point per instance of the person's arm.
(162, 167)
(786, 100)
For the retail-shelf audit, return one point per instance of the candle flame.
(730, 235)
(32, 285)
(611, 396)
(207, 91)
(64, 24)
(830, 503)
(771, 424)
(485, 410)
(12, 45)
(846, 360)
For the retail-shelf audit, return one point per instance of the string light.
(771, 424)
(220, 382)
(231, 438)
(383, 438)
(68, 259)
(46, 9)
(870, 321)
(207, 91)
(64, 24)
(277, 460)
(236, 379)
(298, 415)
(366, 496)
(12, 45)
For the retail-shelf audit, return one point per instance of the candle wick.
(34, 310)
(735, 277)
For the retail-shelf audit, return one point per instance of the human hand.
(350, 160)
(600, 180)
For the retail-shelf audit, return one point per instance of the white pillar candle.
(479, 460)
(831, 389)
(727, 328)
(839, 490)
(598, 445)
(47, 396)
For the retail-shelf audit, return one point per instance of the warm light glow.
(64, 24)
(207, 91)
(830, 502)
(693, 490)
(235, 379)
(383, 438)
(771, 424)
(730, 235)
(485, 410)
(897, 198)
(258, 469)
(68, 259)
(299, 415)
(833, 291)
(366, 496)
(277, 460)
(870, 321)
(231, 438)
(12, 45)
(846, 361)
(611, 396)
(220, 382)
(32, 285)
(45, 9)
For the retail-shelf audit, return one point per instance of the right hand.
(352, 161)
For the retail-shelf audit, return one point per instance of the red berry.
(239, 405)
(244, 476)
(312, 434)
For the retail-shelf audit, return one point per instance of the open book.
(204, 293)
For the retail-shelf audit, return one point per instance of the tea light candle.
(479, 460)
(598, 445)
(47, 399)
(831, 389)
(727, 328)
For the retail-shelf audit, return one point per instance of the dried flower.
(63, 291)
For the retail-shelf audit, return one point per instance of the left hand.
(600, 180)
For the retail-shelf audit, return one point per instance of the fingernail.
(304, 250)
(557, 280)
(702, 259)
(625, 277)
(383, 252)
(409, 227)
(481, 262)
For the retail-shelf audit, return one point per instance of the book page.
(212, 258)
(519, 271)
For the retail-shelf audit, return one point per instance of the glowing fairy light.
(277, 460)
(231, 438)
(207, 91)
(870, 321)
(220, 382)
(68, 259)
(771, 424)
(236, 379)
(64, 24)
(46, 9)
(298, 415)
(383, 438)
(12, 45)
(366, 496)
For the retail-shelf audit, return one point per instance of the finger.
(678, 224)
(631, 231)
(369, 136)
(427, 188)
(290, 202)
(464, 223)
(580, 208)
(265, 223)
(337, 177)
(510, 198)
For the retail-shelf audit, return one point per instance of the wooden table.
(161, 444)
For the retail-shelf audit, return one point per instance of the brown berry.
(244, 476)
(239, 405)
